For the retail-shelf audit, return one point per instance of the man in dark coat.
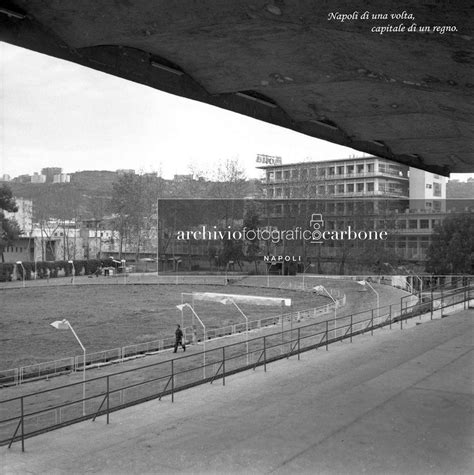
(179, 339)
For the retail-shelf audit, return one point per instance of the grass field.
(112, 316)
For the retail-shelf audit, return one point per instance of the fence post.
(108, 396)
(265, 353)
(223, 366)
(327, 336)
(22, 426)
(372, 324)
(172, 380)
(299, 342)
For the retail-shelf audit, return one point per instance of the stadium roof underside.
(406, 96)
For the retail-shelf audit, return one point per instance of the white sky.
(55, 113)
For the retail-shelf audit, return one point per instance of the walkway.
(398, 402)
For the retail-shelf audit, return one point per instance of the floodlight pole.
(378, 297)
(23, 271)
(366, 282)
(335, 306)
(246, 324)
(304, 271)
(124, 270)
(73, 270)
(180, 307)
(57, 325)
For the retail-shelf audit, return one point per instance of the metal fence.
(32, 414)
(17, 376)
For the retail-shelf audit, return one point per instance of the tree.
(9, 229)
(452, 247)
(252, 221)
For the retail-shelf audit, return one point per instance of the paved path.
(399, 402)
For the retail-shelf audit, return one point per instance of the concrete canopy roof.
(406, 96)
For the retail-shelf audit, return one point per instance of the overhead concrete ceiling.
(406, 96)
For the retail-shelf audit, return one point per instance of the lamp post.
(124, 270)
(364, 283)
(20, 263)
(320, 289)
(65, 325)
(229, 300)
(227, 270)
(73, 270)
(181, 307)
(178, 262)
(304, 271)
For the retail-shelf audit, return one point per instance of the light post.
(304, 271)
(124, 270)
(73, 271)
(320, 289)
(227, 300)
(227, 270)
(178, 262)
(20, 263)
(364, 283)
(65, 325)
(181, 307)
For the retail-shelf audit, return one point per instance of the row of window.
(337, 170)
(340, 188)
(14, 249)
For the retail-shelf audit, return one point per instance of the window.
(402, 224)
(270, 176)
(313, 172)
(412, 224)
(340, 170)
(436, 189)
(424, 223)
(331, 189)
(287, 192)
(321, 190)
(437, 205)
(295, 174)
(435, 222)
(304, 174)
(331, 207)
(340, 208)
(340, 188)
(322, 172)
(360, 168)
(429, 186)
(350, 169)
(350, 188)
(286, 174)
(331, 171)
(370, 167)
(270, 195)
(278, 192)
(360, 187)
(278, 175)
(370, 186)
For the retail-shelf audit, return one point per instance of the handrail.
(270, 347)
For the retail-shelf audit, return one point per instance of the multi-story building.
(349, 178)
(409, 203)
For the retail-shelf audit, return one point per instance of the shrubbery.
(51, 269)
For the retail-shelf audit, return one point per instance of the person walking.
(179, 339)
